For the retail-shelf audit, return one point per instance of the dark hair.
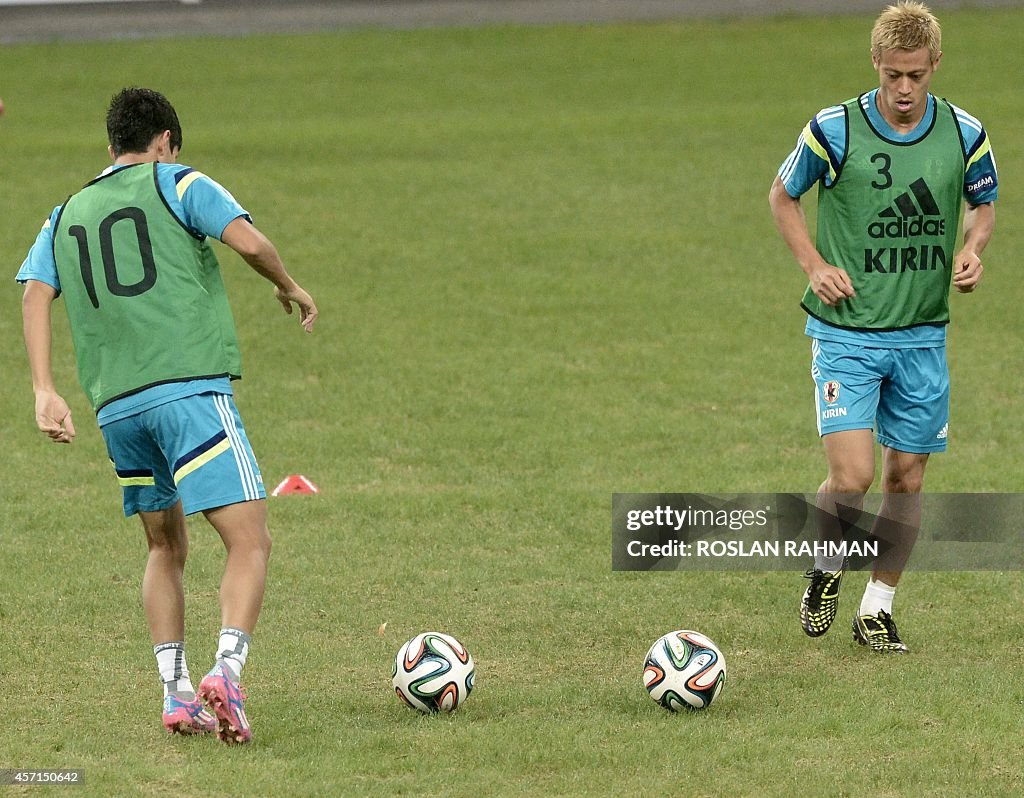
(136, 116)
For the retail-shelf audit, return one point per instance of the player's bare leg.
(163, 591)
(900, 515)
(163, 599)
(897, 525)
(851, 470)
(243, 528)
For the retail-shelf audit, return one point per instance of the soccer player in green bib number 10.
(156, 352)
(892, 168)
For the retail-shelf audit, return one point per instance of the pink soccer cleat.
(225, 698)
(187, 717)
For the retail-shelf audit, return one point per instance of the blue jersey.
(205, 208)
(818, 157)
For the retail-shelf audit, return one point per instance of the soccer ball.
(433, 672)
(684, 670)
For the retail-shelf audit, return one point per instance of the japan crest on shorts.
(830, 391)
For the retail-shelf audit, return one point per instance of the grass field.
(547, 273)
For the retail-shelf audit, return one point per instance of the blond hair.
(908, 25)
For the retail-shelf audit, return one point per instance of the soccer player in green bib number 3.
(892, 168)
(156, 351)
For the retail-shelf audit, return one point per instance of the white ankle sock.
(823, 562)
(233, 650)
(877, 596)
(170, 660)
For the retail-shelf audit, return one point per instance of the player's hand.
(831, 284)
(967, 271)
(307, 307)
(53, 417)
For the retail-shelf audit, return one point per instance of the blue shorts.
(905, 392)
(194, 449)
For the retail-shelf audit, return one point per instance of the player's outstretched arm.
(258, 251)
(53, 416)
(979, 222)
(829, 283)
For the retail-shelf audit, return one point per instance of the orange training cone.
(296, 483)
